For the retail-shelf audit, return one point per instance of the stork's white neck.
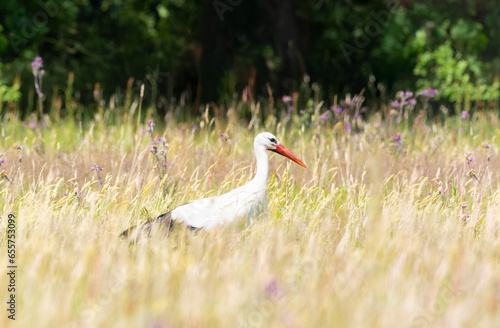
(260, 179)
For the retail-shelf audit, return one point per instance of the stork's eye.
(273, 140)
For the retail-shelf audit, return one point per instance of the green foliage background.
(199, 51)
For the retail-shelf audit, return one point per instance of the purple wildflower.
(323, 117)
(337, 109)
(38, 73)
(24, 124)
(395, 103)
(429, 93)
(3, 160)
(347, 127)
(396, 137)
(408, 94)
(37, 63)
(272, 287)
(412, 101)
(291, 108)
(97, 168)
(465, 114)
(221, 134)
(286, 99)
(194, 127)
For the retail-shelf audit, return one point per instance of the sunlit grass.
(380, 231)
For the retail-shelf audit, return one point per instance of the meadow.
(392, 225)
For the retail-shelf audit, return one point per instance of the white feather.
(245, 202)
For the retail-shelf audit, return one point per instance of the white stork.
(246, 201)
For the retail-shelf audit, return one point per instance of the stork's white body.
(245, 202)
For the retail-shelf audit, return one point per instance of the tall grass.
(385, 229)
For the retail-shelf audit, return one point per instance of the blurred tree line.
(194, 51)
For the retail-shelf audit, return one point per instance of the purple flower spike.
(38, 73)
(347, 126)
(37, 63)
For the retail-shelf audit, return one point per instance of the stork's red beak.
(280, 149)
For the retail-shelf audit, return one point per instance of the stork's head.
(269, 142)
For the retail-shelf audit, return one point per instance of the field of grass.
(388, 227)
